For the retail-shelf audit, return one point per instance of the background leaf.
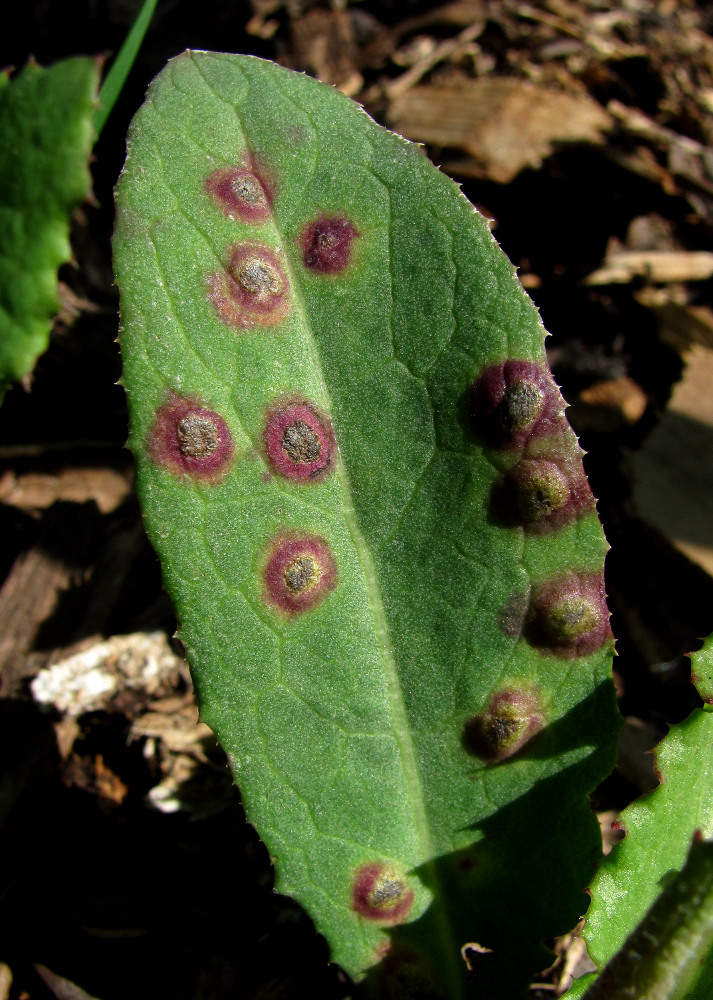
(668, 956)
(659, 829)
(276, 249)
(46, 137)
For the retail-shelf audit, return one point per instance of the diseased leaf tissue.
(373, 521)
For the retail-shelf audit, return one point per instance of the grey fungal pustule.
(568, 615)
(381, 893)
(253, 290)
(240, 193)
(513, 402)
(300, 442)
(510, 721)
(198, 436)
(299, 573)
(190, 439)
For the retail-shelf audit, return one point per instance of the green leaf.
(702, 671)
(45, 140)
(659, 829)
(373, 521)
(668, 956)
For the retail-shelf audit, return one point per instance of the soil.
(108, 892)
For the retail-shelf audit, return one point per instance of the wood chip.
(35, 491)
(654, 265)
(503, 123)
(672, 474)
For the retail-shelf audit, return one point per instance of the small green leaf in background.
(373, 521)
(660, 827)
(668, 956)
(46, 137)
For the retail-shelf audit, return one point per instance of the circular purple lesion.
(545, 493)
(299, 573)
(299, 442)
(381, 894)
(326, 244)
(253, 290)
(514, 402)
(189, 439)
(512, 719)
(241, 193)
(568, 615)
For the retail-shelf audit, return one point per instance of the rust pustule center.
(257, 278)
(300, 574)
(521, 406)
(503, 729)
(540, 495)
(301, 443)
(571, 618)
(387, 890)
(197, 436)
(249, 189)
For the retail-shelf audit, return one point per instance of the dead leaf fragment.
(503, 123)
(142, 662)
(324, 43)
(5, 981)
(608, 406)
(62, 988)
(654, 265)
(36, 491)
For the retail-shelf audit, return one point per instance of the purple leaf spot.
(543, 494)
(568, 615)
(513, 717)
(327, 244)
(299, 442)
(300, 572)
(513, 402)
(379, 893)
(189, 439)
(253, 290)
(240, 193)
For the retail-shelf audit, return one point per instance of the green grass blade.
(46, 137)
(121, 67)
(372, 519)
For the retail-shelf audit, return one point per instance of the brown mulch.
(584, 130)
